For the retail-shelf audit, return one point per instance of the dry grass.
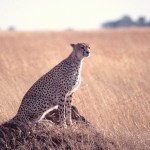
(115, 91)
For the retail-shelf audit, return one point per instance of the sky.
(67, 14)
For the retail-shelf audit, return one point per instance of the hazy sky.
(63, 14)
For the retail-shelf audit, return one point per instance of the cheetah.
(55, 88)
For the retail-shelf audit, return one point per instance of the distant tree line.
(126, 21)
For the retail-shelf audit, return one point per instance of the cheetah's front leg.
(61, 110)
(68, 110)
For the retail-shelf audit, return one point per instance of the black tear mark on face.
(83, 52)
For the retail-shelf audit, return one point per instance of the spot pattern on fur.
(55, 88)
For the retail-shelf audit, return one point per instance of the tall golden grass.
(115, 91)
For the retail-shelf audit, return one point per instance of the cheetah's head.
(81, 50)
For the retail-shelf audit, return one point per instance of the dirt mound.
(53, 116)
(44, 136)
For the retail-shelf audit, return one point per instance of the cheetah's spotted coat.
(55, 88)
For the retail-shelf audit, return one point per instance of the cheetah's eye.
(82, 47)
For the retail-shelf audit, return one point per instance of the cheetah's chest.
(76, 85)
(75, 82)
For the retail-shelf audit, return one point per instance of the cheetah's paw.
(63, 125)
(69, 122)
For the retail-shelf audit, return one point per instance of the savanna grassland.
(115, 91)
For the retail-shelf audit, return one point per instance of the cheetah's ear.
(72, 45)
